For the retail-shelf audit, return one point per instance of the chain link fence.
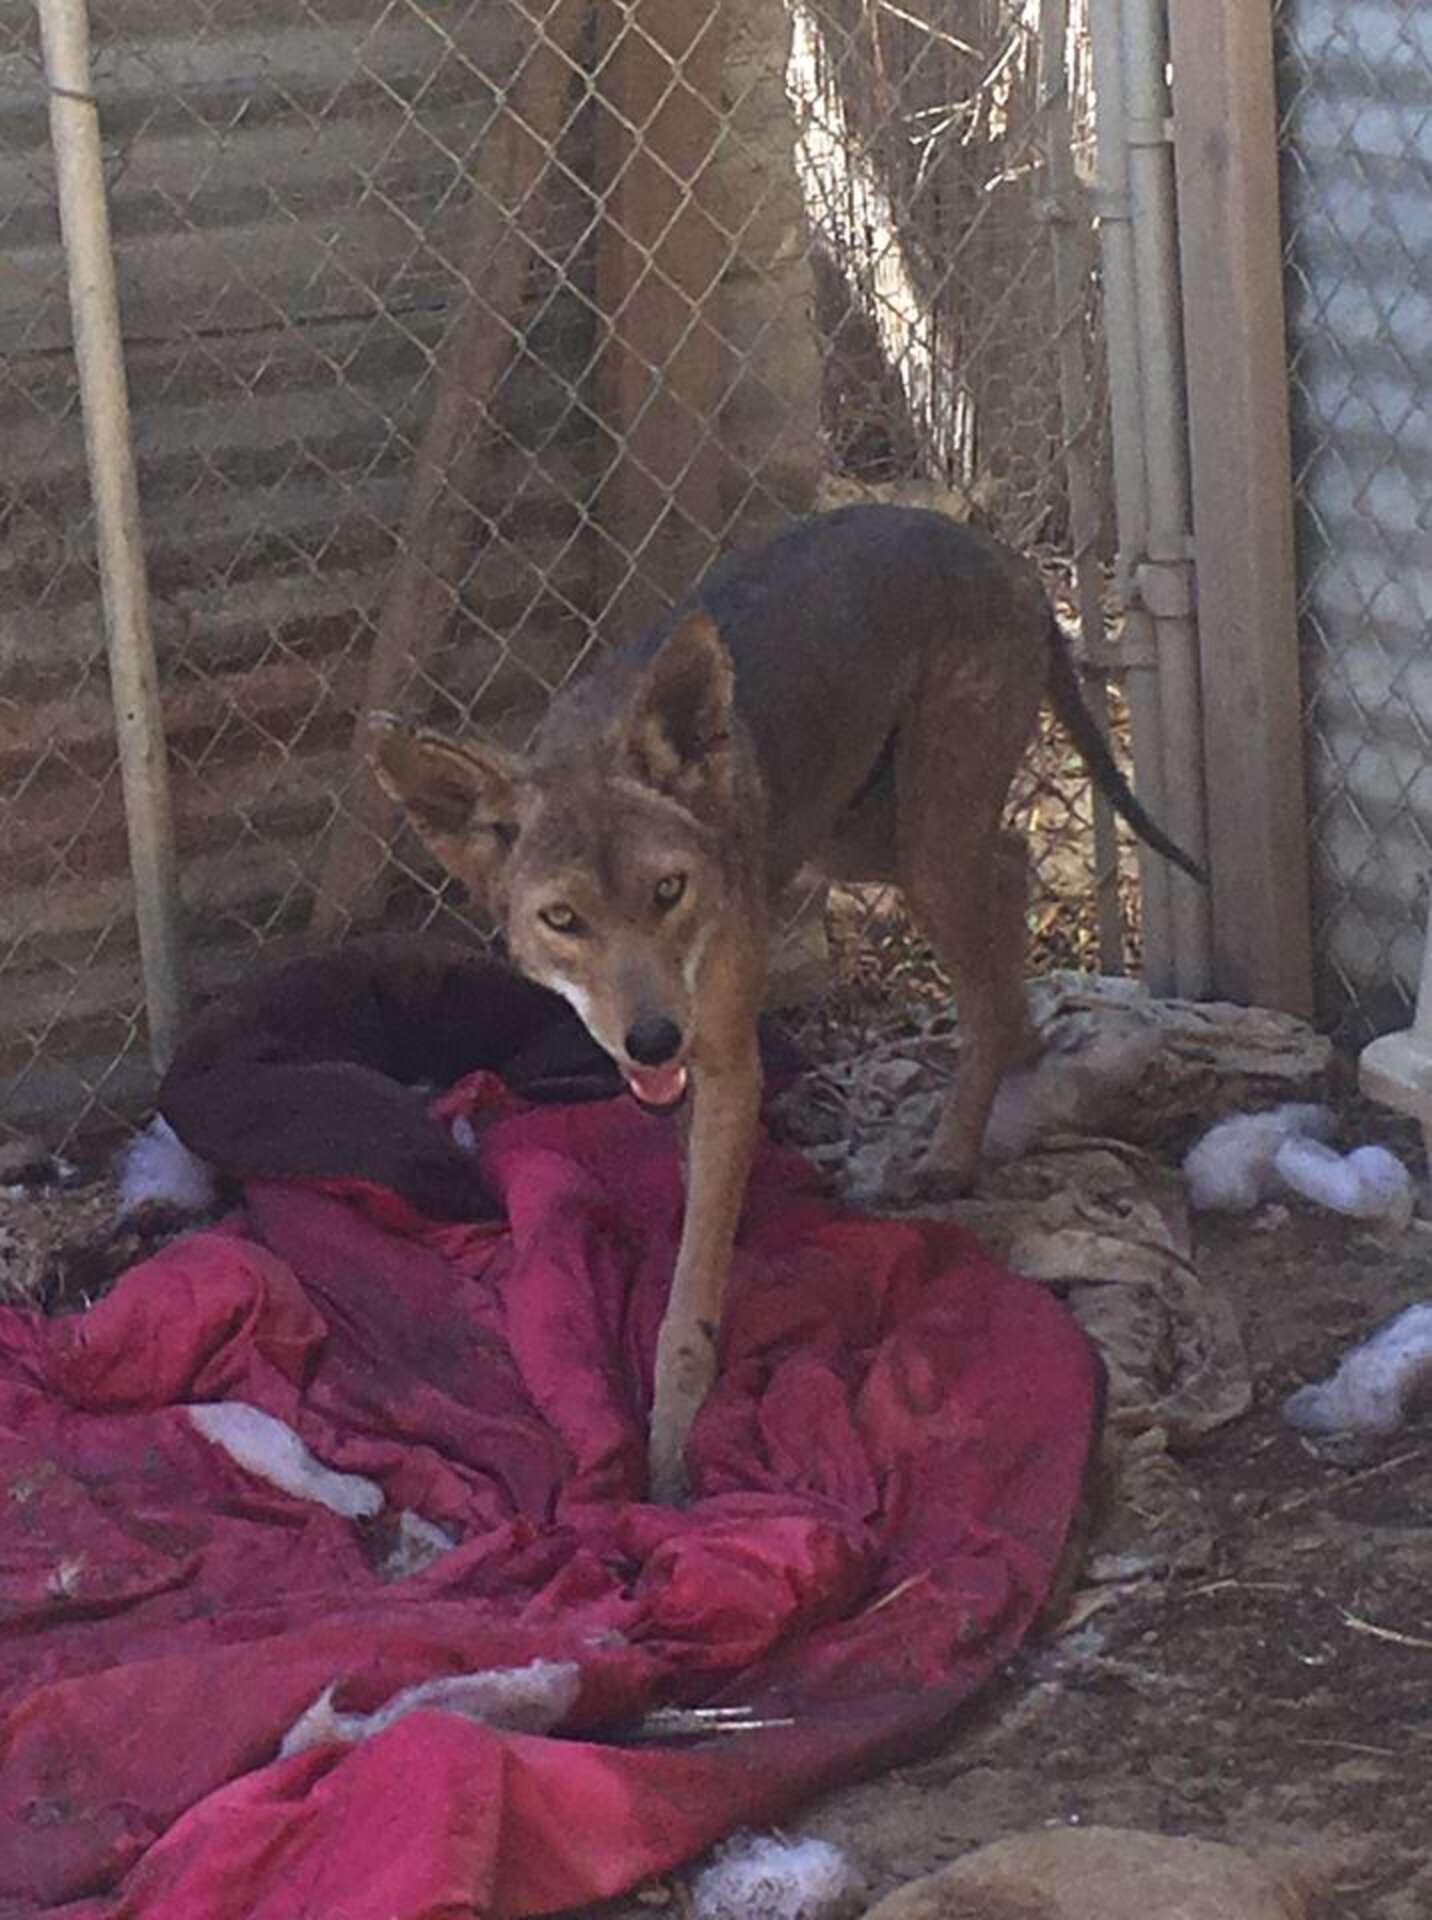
(1355, 85)
(461, 336)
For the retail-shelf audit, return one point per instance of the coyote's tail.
(1067, 701)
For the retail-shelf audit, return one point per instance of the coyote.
(853, 697)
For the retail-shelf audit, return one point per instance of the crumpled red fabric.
(884, 1479)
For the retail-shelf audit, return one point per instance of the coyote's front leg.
(727, 1099)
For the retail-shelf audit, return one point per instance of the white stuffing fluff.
(464, 1133)
(1232, 1167)
(1376, 1383)
(267, 1447)
(419, 1542)
(158, 1168)
(1369, 1183)
(1254, 1156)
(530, 1699)
(778, 1879)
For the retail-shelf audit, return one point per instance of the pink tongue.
(657, 1086)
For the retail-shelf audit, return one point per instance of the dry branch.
(504, 221)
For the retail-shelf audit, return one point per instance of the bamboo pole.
(104, 399)
(433, 540)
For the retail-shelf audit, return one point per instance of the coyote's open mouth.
(658, 1089)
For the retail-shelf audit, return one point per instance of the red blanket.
(885, 1476)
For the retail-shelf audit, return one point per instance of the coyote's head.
(608, 856)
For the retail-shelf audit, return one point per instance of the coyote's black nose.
(653, 1041)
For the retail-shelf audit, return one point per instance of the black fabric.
(323, 1068)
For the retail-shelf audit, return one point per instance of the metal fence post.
(1164, 576)
(1068, 239)
(1138, 655)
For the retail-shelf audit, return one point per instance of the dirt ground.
(1272, 1691)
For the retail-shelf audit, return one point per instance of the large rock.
(1108, 1873)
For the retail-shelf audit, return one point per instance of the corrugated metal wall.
(1356, 98)
(285, 186)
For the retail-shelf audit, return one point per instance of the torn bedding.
(384, 1645)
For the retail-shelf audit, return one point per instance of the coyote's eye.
(669, 889)
(560, 917)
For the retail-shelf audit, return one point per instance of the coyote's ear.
(677, 727)
(461, 799)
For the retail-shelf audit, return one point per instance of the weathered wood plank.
(1225, 128)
